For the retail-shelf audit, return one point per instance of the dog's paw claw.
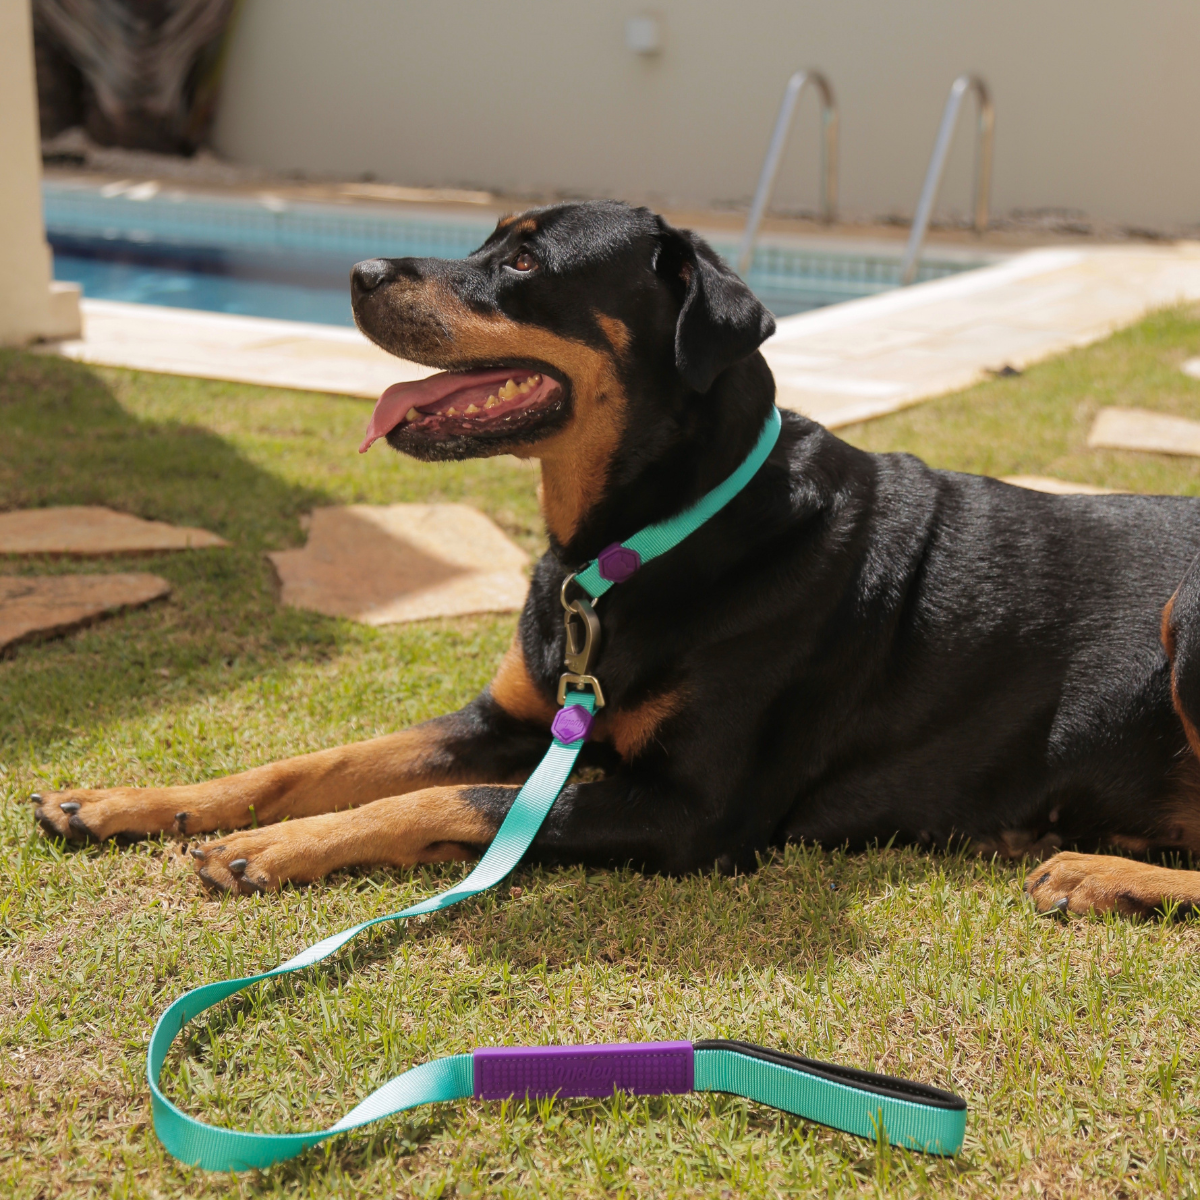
(1062, 905)
(35, 797)
(70, 806)
(199, 853)
(233, 869)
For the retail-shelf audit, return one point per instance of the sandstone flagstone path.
(1138, 429)
(44, 605)
(864, 358)
(90, 529)
(382, 564)
(263, 350)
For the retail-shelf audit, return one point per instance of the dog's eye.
(524, 262)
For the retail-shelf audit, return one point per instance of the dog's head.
(573, 330)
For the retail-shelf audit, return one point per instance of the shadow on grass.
(67, 440)
(803, 906)
(801, 911)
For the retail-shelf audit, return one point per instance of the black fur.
(868, 647)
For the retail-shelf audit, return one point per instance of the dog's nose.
(367, 276)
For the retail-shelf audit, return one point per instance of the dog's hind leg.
(483, 742)
(1103, 883)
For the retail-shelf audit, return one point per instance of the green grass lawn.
(1076, 1042)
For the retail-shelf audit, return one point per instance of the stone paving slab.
(33, 606)
(1138, 429)
(383, 564)
(91, 529)
(868, 357)
(1059, 487)
(290, 354)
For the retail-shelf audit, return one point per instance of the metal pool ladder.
(937, 164)
(770, 167)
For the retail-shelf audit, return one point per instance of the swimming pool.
(269, 258)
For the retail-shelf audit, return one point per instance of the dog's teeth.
(508, 391)
(412, 415)
(472, 408)
(452, 411)
(492, 402)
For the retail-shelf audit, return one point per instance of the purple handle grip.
(643, 1068)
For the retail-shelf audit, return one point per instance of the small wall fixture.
(644, 35)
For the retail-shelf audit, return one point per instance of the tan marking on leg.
(1131, 845)
(1168, 641)
(632, 730)
(432, 825)
(1104, 883)
(514, 690)
(1179, 822)
(1015, 844)
(344, 777)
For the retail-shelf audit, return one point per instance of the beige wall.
(30, 307)
(1097, 101)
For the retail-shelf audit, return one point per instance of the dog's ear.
(720, 318)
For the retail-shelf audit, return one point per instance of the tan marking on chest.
(514, 690)
(631, 730)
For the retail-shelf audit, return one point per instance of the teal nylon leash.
(906, 1114)
(219, 1149)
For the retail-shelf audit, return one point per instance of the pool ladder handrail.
(985, 128)
(778, 143)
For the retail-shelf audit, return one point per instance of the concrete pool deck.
(842, 364)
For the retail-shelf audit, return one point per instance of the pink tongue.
(391, 407)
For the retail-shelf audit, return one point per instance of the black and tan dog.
(857, 647)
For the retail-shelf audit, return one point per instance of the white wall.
(30, 307)
(1097, 101)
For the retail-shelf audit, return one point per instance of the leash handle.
(907, 1114)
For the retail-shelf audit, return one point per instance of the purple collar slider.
(571, 724)
(617, 563)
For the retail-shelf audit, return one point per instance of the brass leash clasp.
(582, 628)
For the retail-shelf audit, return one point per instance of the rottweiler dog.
(857, 648)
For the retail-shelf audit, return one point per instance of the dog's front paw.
(1098, 883)
(62, 814)
(255, 861)
(86, 815)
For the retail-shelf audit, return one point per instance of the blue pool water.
(293, 261)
